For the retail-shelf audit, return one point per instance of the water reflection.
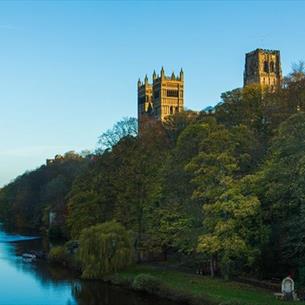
(94, 293)
(24, 284)
(38, 283)
(6, 237)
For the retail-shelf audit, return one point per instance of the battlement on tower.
(265, 51)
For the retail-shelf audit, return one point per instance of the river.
(23, 283)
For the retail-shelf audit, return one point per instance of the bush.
(147, 283)
(58, 255)
(103, 249)
(72, 246)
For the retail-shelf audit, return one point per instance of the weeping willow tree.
(104, 248)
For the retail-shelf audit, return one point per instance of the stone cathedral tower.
(145, 102)
(164, 97)
(263, 67)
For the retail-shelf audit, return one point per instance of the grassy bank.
(195, 289)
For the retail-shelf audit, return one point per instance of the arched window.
(266, 66)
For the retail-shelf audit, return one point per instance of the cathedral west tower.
(263, 67)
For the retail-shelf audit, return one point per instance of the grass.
(204, 289)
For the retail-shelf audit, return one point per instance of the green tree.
(92, 196)
(282, 186)
(175, 124)
(234, 232)
(136, 182)
(224, 156)
(104, 248)
(175, 220)
(24, 202)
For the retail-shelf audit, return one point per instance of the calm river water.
(38, 283)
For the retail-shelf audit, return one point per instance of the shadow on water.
(41, 284)
(94, 293)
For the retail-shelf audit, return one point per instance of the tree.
(297, 74)
(127, 127)
(282, 186)
(30, 195)
(214, 165)
(92, 196)
(104, 248)
(175, 124)
(234, 232)
(224, 156)
(176, 217)
(250, 107)
(136, 182)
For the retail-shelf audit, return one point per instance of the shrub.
(147, 283)
(103, 249)
(58, 255)
(72, 246)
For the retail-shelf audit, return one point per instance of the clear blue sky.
(68, 69)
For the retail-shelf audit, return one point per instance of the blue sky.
(68, 69)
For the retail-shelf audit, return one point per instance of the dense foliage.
(104, 248)
(224, 188)
(28, 201)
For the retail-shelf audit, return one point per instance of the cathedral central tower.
(162, 98)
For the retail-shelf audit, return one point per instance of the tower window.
(272, 69)
(172, 93)
(266, 66)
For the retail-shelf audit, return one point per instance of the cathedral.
(165, 95)
(161, 98)
(263, 67)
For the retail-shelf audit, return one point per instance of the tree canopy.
(104, 248)
(224, 188)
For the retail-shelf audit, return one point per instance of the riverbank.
(181, 287)
(193, 289)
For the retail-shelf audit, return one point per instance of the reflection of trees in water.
(47, 275)
(82, 292)
(98, 293)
